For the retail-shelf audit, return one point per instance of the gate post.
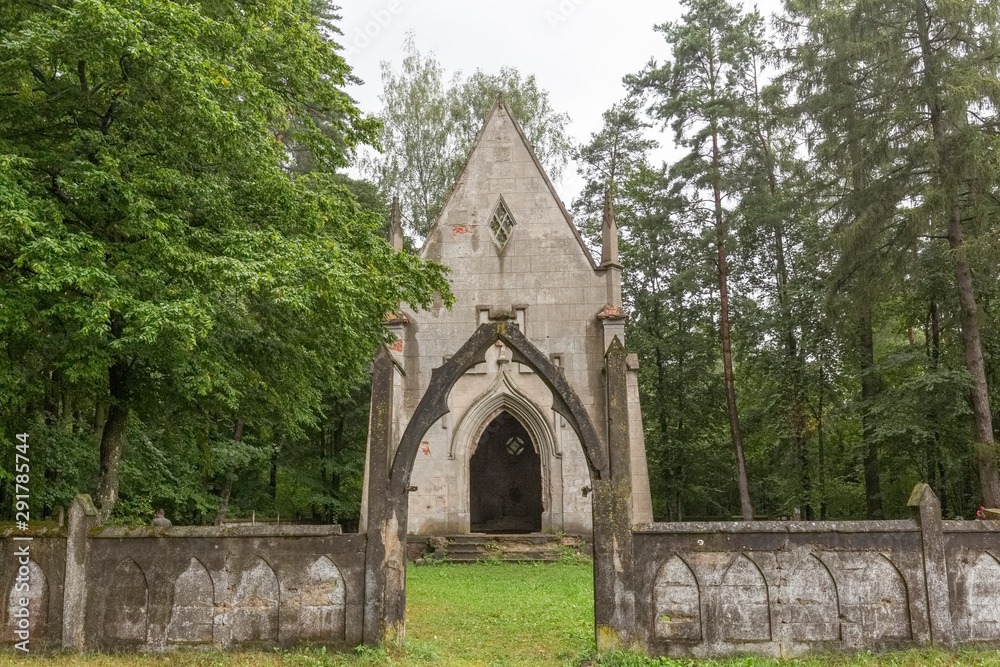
(382, 553)
(614, 583)
(926, 509)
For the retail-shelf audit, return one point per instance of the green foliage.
(833, 189)
(163, 270)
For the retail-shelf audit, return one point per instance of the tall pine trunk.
(984, 446)
(727, 353)
(796, 418)
(985, 449)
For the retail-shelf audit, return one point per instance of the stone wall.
(701, 589)
(788, 588)
(115, 588)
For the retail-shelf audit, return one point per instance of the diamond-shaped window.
(501, 225)
(515, 446)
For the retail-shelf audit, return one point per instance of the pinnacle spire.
(609, 233)
(396, 225)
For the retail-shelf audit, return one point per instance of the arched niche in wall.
(885, 609)
(254, 617)
(811, 601)
(744, 609)
(323, 603)
(126, 605)
(192, 610)
(982, 598)
(676, 602)
(36, 591)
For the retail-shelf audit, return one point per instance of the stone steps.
(504, 548)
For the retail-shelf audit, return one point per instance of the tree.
(919, 80)
(156, 253)
(616, 154)
(430, 126)
(699, 93)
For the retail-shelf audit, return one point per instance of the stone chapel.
(502, 460)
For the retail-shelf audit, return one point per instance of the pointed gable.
(503, 199)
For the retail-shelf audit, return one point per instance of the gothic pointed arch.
(126, 614)
(885, 614)
(323, 603)
(812, 602)
(744, 610)
(676, 602)
(192, 609)
(434, 403)
(502, 395)
(255, 605)
(37, 596)
(982, 598)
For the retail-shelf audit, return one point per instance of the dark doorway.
(505, 480)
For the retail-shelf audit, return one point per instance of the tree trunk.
(274, 473)
(985, 449)
(796, 408)
(100, 416)
(947, 168)
(227, 492)
(227, 487)
(113, 438)
(869, 390)
(936, 465)
(821, 444)
(727, 353)
(793, 376)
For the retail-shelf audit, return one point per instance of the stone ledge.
(978, 526)
(260, 530)
(11, 530)
(801, 527)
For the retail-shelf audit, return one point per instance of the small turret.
(609, 233)
(396, 225)
(609, 255)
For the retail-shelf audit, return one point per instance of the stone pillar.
(82, 517)
(609, 256)
(377, 487)
(614, 585)
(927, 511)
(642, 501)
(396, 225)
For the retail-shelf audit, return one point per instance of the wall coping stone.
(756, 527)
(33, 531)
(258, 530)
(976, 526)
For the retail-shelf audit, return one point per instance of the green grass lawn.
(488, 614)
(505, 614)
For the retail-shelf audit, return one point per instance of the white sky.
(578, 50)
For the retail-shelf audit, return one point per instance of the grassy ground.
(537, 615)
(507, 614)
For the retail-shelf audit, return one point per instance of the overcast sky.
(578, 50)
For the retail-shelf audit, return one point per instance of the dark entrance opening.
(505, 480)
